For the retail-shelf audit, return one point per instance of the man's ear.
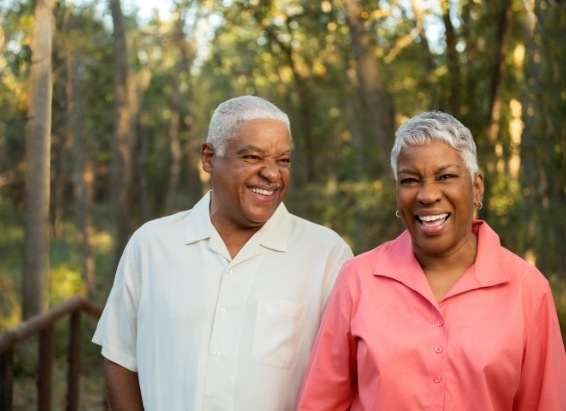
(207, 152)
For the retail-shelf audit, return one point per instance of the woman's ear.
(478, 187)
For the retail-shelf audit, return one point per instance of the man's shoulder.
(166, 225)
(309, 229)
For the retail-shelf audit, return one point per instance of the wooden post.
(6, 379)
(74, 361)
(45, 369)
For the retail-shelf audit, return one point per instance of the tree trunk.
(175, 153)
(493, 115)
(180, 85)
(82, 170)
(305, 107)
(543, 147)
(430, 65)
(453, 99)
(38, 138)
(378, 108)
(121, 167)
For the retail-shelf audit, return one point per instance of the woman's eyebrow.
(440, 169)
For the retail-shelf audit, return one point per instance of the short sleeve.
(116, 331)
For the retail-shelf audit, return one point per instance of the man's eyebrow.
(250, 147)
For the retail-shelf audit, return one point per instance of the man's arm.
(122, 388)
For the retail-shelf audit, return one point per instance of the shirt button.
(223, 311)
(438, 349)
(440, 323)
(211, 396)
(215, 353)
(437, 379)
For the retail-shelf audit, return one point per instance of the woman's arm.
(329, 380)
(543, 377)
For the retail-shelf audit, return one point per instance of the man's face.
(251, 178)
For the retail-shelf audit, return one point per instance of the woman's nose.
(428, 193)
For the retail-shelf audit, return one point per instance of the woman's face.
(435, 197)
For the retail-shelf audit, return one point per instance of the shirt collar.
(275, 232)
(199, 227)
(488, 268)
(273, 235)
(398, 260)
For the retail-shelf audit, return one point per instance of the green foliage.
(558, 286)
(363, 213)
(65, 279)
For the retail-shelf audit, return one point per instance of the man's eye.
(285, 161)
(251, 157)
(447, 177)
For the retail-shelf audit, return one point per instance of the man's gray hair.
(228, 116)
(428, 127)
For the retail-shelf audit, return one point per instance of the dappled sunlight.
(102, 241)
(10, 308)
(64, 283)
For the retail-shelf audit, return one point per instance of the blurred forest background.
(104, 109)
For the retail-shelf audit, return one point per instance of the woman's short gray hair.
(433, 126)
(228, 116)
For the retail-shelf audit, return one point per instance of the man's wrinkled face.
(251, 178)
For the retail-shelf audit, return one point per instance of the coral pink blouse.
(492, 343)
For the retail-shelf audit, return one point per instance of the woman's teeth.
(431, 218)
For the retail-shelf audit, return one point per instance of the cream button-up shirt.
(208, 332)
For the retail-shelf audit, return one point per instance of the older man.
(217, 307)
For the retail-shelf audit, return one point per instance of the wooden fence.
(42, 324)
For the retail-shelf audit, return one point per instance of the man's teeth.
(260, 191)
(429, 218)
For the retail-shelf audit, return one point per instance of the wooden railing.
(43, 324)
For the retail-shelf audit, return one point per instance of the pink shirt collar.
(397, 261)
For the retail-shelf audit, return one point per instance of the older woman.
(443, 317)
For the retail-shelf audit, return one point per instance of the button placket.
(438, 359)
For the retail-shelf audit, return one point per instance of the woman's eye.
(408, 180)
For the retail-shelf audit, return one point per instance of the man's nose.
(270, 171)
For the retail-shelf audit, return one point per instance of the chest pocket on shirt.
(278, 333)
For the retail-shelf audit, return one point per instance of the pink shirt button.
(437, 379)
(438, 349)
(440, 323)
